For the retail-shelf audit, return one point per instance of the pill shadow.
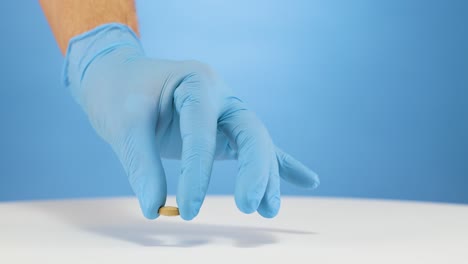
(121, 222)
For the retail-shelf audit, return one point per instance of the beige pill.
(169, 211)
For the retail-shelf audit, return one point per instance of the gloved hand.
(148, 109)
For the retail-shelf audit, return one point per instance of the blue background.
(373, 95)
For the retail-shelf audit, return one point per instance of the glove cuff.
(84, 48)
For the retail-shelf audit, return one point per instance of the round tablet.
(168, 211)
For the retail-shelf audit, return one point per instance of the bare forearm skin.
(69, 18)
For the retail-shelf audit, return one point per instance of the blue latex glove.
(148, 109)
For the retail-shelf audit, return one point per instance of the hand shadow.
(120, 222)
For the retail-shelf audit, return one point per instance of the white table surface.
(307, 230)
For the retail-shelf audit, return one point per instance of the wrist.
(83, 49)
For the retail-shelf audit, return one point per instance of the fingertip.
(247, 204)
(149, 208)
(273, 208)
(142, 163)
(293, 171)
(150, 214)
(190, 197)
(151, 195)
(316, 181)
(251, 185)
(189, 212)
(311, 181)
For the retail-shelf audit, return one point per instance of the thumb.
(141, 160)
